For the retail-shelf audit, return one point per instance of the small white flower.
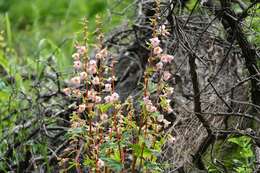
(166, 123)
(100, 163)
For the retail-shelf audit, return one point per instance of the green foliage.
(237, 156)
(252, 25)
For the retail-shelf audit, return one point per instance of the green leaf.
(8, 30)
(112, 163)
(4, 63)
(104, 107)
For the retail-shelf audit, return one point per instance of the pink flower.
(147, 101)
(81, 49)
(151, 108)
(107, 99)
(92, 69)
(83, 75)
(166, 75)
(163, 31)
(76, 56)
(159, 66)
(67, 91)
(92, 63)
(155, 41)
(114, 97)
(149, 105)
(92, 94)
(96, 81)
(165, 58)
(81, 108)
(103, 116)
(108, 87)
(77, 93)
(75, 81)
(77, 65)
(98, 99)
(157, 50)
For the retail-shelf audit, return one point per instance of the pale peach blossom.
(77, 65)
(159, 66)
(103, 116)
(83, 75)
(81, 49)
(92, 94)
(92, 63)
(108, 87)
(81, 108)
(107, 99)
(147, 101)
(76, 92)
(151, 108)
(169, 91)
(98, 99)
(96, 81)
(166, 75)
(163, 31)
(169, 110)
(92, 70)
(67, 91)
(157, 50)
(75, 81)
(165, 58)
(171, 139)
(166, 123)
(100, 163)
(114, 97)
(155, 41)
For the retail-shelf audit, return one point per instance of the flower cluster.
(109, 120)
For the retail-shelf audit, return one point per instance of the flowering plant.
(107, 133)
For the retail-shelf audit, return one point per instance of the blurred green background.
(35, 28)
